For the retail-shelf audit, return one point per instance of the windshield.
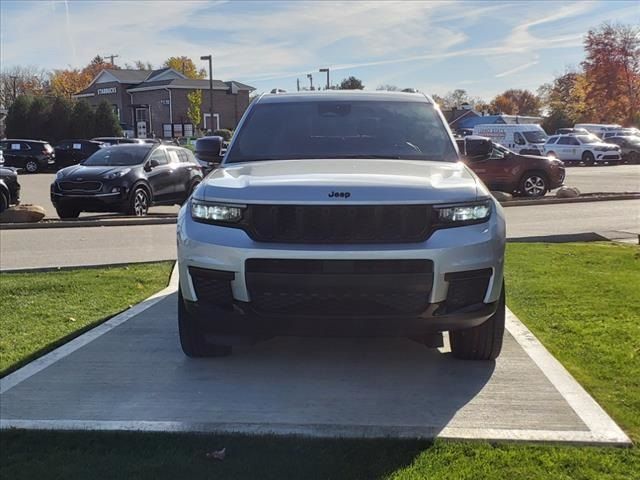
(535, 136)
(342, 129)
(118, 156)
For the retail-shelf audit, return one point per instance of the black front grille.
(339, 287)
(81, 186)
(611, 157)
(467, 288)
(339, 224)
(212, 286)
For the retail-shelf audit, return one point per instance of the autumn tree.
(564, 101)
(139, 65)
(612, 73)
(64, 83)
(19, 80)
(351, 83)
(388, 88)
(516, 102)
(186, 66)
(194, 110)
(457, 98)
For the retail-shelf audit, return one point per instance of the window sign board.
(177, 129)
(166, 130)
(77, 146)
(188, 130)
(15, 146)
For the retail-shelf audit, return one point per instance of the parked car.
(623, 132)
(342, 213)
(117, 140)
(510, 172)
(523, 138)
(30, 155)
(587, 149)
(9, 188)
(72, 152)
(598, 129)
(126, 178)
(629, 147)
(567, 131)
(1, 157)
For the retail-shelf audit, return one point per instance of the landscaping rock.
(502, 196)
(567, 192)
(23, 214)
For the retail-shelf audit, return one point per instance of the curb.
(582, 199)
(170, 219)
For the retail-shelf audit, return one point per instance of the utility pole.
(111, 58)
(327, 72)
(298, 83)
(210, 59)
(14, 78)
(310, 77)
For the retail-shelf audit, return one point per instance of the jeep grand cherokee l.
(341, 214)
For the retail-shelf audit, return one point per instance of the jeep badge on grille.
(339, 194)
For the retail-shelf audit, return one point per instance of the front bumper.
(103, 200)
(454, 250)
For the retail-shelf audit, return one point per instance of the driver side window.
(496, 154)
(159, 156)
(518, 139)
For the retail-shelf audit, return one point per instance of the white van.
(522, 138)
(598, 129)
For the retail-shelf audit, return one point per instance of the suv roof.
(23, 140)
(343, 95)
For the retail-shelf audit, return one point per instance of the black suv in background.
(31, 155)
(126, 178)
(9, 188)
(71, 152)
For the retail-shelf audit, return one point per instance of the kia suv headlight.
(215, 213)
(116, 174)
(456, 215)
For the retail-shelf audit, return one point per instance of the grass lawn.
(581, 300)
(39, 311)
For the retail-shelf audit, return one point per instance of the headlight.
(59, 175)
(463, 214)
(213, 213)
(116, 174)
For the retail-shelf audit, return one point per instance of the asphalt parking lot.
(616, 178)
(130, 374)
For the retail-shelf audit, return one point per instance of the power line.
(111, 57)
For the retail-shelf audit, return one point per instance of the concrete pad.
(130, 374)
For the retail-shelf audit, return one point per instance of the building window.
(142, 115)
(116, 111)
(177, 130)
(208, 123)
(167, 130)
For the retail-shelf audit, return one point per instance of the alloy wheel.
(31, 166)
(140, 203)
(534, 186)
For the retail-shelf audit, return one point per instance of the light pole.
(210, 58)
(327, 72)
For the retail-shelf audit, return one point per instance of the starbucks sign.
(107, 91)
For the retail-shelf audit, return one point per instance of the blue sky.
(435, 46)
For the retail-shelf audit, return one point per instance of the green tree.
(59, 119)
(83, 120)
(39, 112)
(17, 120)
(517, 102)
(106, 122)
(351, 83)
(194, 111)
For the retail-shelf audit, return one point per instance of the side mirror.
(208, 149)
(153, 163)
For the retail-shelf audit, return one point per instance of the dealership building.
(154, 103)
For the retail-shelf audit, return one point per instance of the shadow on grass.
(81, 455)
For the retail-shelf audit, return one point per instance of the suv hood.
(89, 172)
(356, 182)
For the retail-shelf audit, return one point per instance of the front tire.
(192, 336)
(31, 166)
(534, 184)
(588, 158)
(4, 202)
(139, 202)
(68, 212)
(483, 342)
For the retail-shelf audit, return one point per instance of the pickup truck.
(342, 214)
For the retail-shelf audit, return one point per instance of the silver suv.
(342, 214)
